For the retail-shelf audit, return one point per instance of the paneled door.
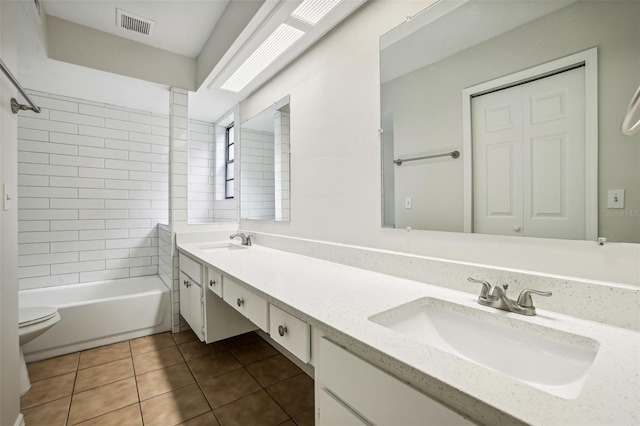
(529, 158)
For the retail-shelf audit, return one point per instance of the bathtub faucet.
(246, 240)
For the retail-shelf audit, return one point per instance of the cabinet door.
(196, 310)
(376, 395)
(333, 412)
(185, 301)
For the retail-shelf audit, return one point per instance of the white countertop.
(339, 299)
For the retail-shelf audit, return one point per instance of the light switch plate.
(615, 199)
(6, 197)
(407, 202)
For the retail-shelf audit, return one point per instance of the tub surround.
(337, 300)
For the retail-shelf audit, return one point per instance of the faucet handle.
(485, 286)
(524, 300)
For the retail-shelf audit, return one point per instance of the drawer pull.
(186, 283)
(282, 330)
(240, 302)
(212, 283)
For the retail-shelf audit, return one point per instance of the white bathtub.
(99, 313)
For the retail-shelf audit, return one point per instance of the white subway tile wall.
(257, 183)
(201, 152)
(281, 166)
(93, 185)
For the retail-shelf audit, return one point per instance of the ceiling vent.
(134, 23)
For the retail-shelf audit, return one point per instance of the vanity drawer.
(292, 333)
(214, 281)
(190, 267)
(254, 307)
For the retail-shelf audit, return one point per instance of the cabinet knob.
(240, 302)
(212, 283)
(516, 228)
(186, 283)
(282, 330)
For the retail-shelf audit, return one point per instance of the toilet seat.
(34, 315)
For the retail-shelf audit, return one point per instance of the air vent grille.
(134, 23)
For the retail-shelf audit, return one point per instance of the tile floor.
(170, 379)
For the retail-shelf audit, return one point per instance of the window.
(229, 165)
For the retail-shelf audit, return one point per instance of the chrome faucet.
(496, 297)
(246, 239)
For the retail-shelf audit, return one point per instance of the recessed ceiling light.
(279, 41)
(312, 11)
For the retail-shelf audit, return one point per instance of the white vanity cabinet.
(351, 391)
(205, 312)
(191, 301)
(249, 304)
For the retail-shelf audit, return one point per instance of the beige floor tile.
(103, 374)
(273, 370)
(104, 354)
(164, 380)
(295, 395)
(198, 349)
(184, 336)
(151, 343)
(174, 407)
(228, 387)
(306, 418)
(257, 409)
(253, 352)
(127, 416)
(52, 367)
(213, 365)
(155, 360)
(52, 413)
(207, 419)
(48, 390)
(102, 400)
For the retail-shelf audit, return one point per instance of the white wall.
(9, 395)
(93, 185)
(335, 158)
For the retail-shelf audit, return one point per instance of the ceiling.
(75, 48)
(181, 27)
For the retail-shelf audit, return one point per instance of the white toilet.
(33, 322)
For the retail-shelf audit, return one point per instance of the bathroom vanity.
(362, 331)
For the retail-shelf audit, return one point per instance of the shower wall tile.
(93, 186)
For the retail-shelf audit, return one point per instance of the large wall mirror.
(264, 164)
(503, 117)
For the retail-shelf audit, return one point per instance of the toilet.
(33, 321)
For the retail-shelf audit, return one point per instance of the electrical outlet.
(407, 202)
(615, 199)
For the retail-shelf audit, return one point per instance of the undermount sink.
(221, 246)
(548, 359)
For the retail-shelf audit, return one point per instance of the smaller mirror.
(264, 164)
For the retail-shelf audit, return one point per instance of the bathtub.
(99, 313)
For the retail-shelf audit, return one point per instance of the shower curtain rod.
(15, 106)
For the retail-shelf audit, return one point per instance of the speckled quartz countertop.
(339, 300)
